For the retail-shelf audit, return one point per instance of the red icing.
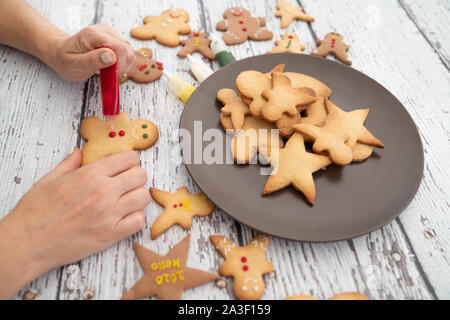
(181, 204)
(160, 66)
(291, 37)
(174, 205)
(112, 134)
(121, 133)
(241, 22)
(245, 267)
(244, 29)
(238, 14)
(244, 259)
(196, 35)
(142, 67)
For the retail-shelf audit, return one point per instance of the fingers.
(131, 179)
(130, 224)
(69, 164)
(99, 35)
(135, 200)
(117, 163)
(97, 59)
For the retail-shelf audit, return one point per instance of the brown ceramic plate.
(351, 200)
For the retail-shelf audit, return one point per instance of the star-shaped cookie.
(283, 98)
(180, 207)
(233, 107)
(287, 12)
(341, 132)
(166, 276)
(245, 264)
(295, 167)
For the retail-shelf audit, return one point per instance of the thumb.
(66, 166)
(97, 59)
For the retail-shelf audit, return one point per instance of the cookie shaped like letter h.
(245, 264)
(164, 28)
(128, 135)
(240, 26)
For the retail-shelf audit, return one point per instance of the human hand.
(80, 56)
(69, 214)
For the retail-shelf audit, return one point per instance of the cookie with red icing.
(196, 42)
(245, 264)
(164, 28)
(240, 25)
(127, 135)
(145, 69)
(333, 44)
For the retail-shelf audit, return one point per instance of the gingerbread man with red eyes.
(333, 44)
(145, 69)
(240, 26)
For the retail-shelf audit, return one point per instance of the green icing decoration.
(145, 135)
(147, 71)
(144, 126)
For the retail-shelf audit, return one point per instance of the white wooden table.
(402, 44)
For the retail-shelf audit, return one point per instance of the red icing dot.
(121, 133)
(196, 35)
(244, 29)
(174, 205)
(244, 259)
(181, 204)
(291, 37)
(160, 66)
(112, 134)
(245, 268)
(241, 22)
(142, 67)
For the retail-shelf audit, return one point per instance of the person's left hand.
(80, 56)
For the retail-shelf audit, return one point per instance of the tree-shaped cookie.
(295, 167)
(287, 12)
(127, 135)
(145, 69)
(164, 28)
(333, 44)
(196, 42)
(289, 43)
(166, 276)
(179, 208)
(233, 106)
(283, 98)
(245, 264)
(240, 26)
(339, 135)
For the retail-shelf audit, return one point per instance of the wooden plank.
(432, 20)
(39, 119)
(384, 44)
(364, 264)
(112, 272)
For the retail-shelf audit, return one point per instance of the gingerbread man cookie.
(180, 207)
(240, 26)
(233, 106)
(341, 132)
(196, 42)
(333, 44)
(289, 43)
(295, 166)
(283, 98)
(166, 276)
(245, 264)
(287, 12)
(127, 135)
(144, 69)
(164, 28)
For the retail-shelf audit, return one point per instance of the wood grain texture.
(432, 19)
(407, 259)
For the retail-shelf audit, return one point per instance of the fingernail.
(74, 150)
(106, 58)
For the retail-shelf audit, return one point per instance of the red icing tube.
(109, 83)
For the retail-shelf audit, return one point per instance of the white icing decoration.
(169, 20)
(256, 288)
(132, 132)
(164, 25)
(244, 288)
(246, 282)
(226, 249)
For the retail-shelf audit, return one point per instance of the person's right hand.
(73, 212)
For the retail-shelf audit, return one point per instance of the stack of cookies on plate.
(277, 112)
